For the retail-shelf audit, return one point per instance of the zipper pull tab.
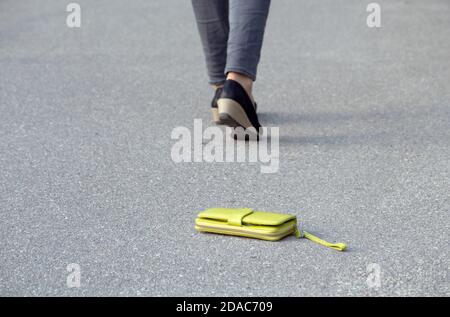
(336, 246)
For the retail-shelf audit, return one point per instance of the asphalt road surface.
(86, 174)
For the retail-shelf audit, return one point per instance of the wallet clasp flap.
(235, 218)
(232, 216)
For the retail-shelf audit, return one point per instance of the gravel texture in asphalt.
(86, 174)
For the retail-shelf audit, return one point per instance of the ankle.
(244, 81)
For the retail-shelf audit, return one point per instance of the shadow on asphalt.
(339, 139)
(389, 127)
(325, 117)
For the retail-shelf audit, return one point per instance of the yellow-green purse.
(246, 222)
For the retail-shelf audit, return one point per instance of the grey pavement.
(86, 175)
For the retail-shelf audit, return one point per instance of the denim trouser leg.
(247, 25)
(213, 26)
(232, 33)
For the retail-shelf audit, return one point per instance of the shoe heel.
(232, 114)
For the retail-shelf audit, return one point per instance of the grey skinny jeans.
(232, 33)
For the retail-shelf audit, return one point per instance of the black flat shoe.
(214, 108)
(236, 109)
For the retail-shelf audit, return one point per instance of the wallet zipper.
(294, 230)
(290, 231)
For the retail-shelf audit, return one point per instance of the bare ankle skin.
(245, 82)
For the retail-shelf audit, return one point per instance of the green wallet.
(246, 222)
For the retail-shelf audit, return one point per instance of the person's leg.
(213, 26)
(247, 25)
